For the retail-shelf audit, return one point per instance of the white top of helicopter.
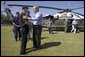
(47, 14)
(68, 15)
(77, 16)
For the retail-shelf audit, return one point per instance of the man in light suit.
(37, 27)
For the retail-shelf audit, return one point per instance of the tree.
(6, 16)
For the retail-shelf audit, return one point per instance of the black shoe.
(16, 40)
(20, 39)
(34, 47)
(22, 53)
(38, 48)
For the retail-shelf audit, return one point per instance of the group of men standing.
(21, 24)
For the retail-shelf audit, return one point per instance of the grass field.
(57, 44)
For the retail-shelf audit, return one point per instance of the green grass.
(57, 44)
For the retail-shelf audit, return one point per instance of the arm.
(15, 25)
(13, 22)
(36, 17)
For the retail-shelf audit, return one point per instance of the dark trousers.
(24, 33)
(17, 33)
(50, 30)
(37, 29)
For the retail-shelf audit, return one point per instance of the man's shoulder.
(39, 13)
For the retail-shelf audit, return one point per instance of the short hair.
(17, 12)
(35, 6)
(25, 7)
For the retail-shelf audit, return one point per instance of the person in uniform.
(74, 25)
(16, 27)
(50, 26)
(24, 24)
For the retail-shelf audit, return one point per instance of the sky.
(57, 4)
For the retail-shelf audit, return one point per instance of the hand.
(17, 25)
(26, 22)
(29, 18)
(24, 17)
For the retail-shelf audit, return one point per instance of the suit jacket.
(23, 19)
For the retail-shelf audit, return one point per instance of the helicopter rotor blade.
(39, 6)
(78, 13)
(77, 8)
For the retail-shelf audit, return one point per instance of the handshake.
(25, 17)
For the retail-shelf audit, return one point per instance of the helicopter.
(65, 14)
(63, 10)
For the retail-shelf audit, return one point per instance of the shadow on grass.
(50, 44)
(44, 46)
(44, 38)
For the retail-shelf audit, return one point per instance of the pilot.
(50, 26)
(74, 25)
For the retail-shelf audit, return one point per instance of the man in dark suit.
(24, 22)
(16, 27)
